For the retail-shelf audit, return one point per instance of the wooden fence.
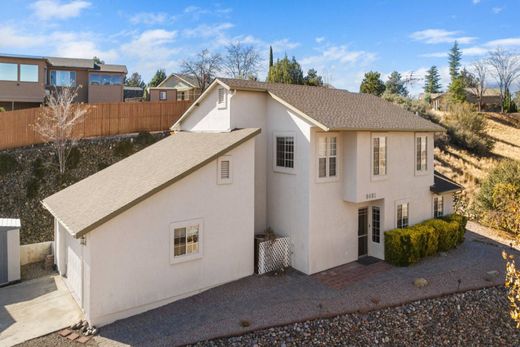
(17, 127)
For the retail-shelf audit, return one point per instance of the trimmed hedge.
(408, 245)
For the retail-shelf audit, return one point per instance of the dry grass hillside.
(469, 169)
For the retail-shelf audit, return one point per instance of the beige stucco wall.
(207, 116)
(18, 91)
(100, 94)
(134, 247)
(35, 252)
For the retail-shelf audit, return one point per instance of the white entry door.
(74, 273)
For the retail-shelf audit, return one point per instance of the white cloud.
(55, 9)
(434, 36)
(206, 31)
(151, 45)
(319, 39)
(507, 42)
(434, 55)
(283, 45)
(340, 54)
(14, 38)
(148, 18)
(497, 10)
(475, 2)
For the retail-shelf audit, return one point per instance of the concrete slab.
(35, 308)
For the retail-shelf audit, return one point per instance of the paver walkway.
(265, 301)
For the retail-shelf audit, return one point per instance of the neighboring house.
(176, 87)
(490, 99)
(133, 93)
(330, 169)
(25, 81)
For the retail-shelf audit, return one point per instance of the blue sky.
(341, 39)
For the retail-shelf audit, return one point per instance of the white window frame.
(436, 197)
(220, 179)
(379, 176)
(424, 139)
(186, 257)
(221, 104)
(397, 204)
(283, 169)
(179, 93)
(161, 93)
(373, 224)
(327, 156)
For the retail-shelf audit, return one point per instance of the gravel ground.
(34, 270)
(477, 317)
(55, 340)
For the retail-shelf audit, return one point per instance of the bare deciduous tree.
(203, 67)
(57, 120)
(506, 69)
(241, 61)
(480, 70)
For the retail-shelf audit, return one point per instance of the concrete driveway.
(35, 308)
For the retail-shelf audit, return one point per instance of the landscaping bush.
(32, 189)
(73, 158)
(8, 163)
(124, 149)
(38, 170)
(408, 245)
(144, 138)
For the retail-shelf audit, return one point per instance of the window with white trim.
(181, 96)
(403, 215)
(376, 224)
(438, 206)
(327, 156)
(222, 97)
(421, 153)
(162, 95)
(284, 152)
(224, 168)
(379, 155)
(185, 240)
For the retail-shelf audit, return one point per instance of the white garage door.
(74, 272)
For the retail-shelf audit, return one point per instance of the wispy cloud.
(497, 10)
(319, 39)
(507, 42)
(13, 37)
(476, 2)
(284, 45)
(149, 18)
(206, 30)
(55, 9)
(434, 36)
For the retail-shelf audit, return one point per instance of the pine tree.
(160, 75)
(270, 56)
(372, 84)
(286, 71)
(395, 85)
(454, 58)
(432, 81)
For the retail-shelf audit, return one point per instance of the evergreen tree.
(454, 58)
(135, 80)
(457, 93)
(313, 79)
(395, 85)
(286, 71)
(160, 75)
(432, 81)
(270, 57)
(509, 103)
(372, 84)
(98, 60)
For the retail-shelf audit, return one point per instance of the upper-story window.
(8, 72)
(379, 155)
(181, 96)
(63, 78)
(99, 79)
(327, 156)
(221, 98)
(402, 215)
(163, 95)
(421, 153)
(284, 152)
(28, 73)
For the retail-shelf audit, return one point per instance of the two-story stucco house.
(330, 169)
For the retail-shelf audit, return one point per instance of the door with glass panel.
(362, 232)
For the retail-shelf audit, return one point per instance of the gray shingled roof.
(71, 62)
(188, 78)
(338, 109)
(112, 68)
(442, 184)
(100, 197)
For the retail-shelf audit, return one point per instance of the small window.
(63, 78)
(28, 73)
(284, 153)
(162, 95)
(379, 153)
(185, 238)
(402, 215)
(224, 174)
(327, 156)
(438, 206)
(376, 224)
(222, 98)
(181, 96)
(8, 72)
(421, 152)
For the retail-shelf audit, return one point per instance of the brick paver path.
(266, 301)
(345, 275)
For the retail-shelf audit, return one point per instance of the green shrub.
(507, 172)
(38, 170)
(408, 245)
(32, 189)
(144, 138)
(8, 163)
(102, 165)
(124, 148)
(73, 158)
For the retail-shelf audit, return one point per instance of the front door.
(362, 231)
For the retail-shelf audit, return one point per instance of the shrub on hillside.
(467, 129)
(8, 163)
(144, 138)
(37, 169)
(408, 245)
(2, 109)
(32, 188)
(124, 148)
(74, 158)
(416, 106)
